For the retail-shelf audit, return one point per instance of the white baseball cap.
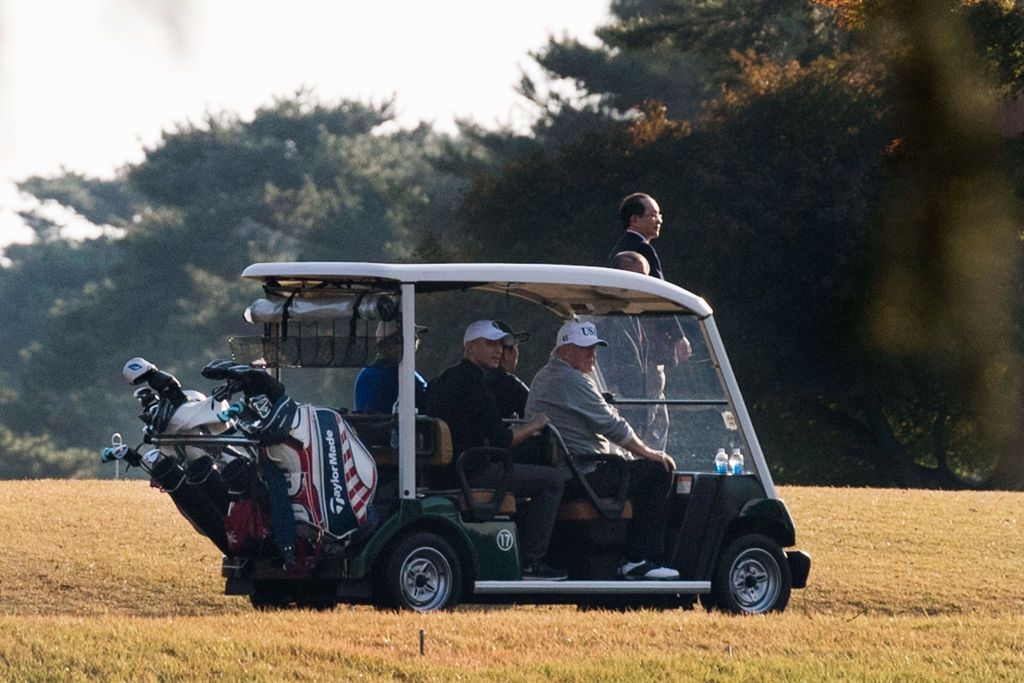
(580, 334)
(484, 329)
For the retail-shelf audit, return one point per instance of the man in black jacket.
(641, 219)
(460, 396)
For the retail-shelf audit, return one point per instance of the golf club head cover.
(253, 380)
(162, 415)
(275, 417)
(138, 370)
(225, 369)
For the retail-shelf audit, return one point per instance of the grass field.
(105, 581)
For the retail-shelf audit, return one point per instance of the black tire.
(270, 595)
(321, 597)
(422, 573)
(752, 577)
(707, 601)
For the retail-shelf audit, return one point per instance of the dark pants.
(649, 486)
(282, 518)
(543, 486)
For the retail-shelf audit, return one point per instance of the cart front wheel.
(752, 577)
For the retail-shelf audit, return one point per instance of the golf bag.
(265, 471)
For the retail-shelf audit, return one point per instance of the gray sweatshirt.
(574, 405)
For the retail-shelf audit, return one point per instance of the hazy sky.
(86, 84)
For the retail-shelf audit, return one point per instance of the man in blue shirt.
(377, 384)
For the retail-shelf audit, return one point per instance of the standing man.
(564, 390)
(629, 368)
(641, 219)
(460, 396)
(509, 391)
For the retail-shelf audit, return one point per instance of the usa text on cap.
(579, 333)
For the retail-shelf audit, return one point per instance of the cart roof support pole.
(407, 396)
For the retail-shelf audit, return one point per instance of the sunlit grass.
(105, 581)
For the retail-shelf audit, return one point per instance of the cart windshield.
(660, 374)
(659, 369)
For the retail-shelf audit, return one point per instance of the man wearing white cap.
(376, 387)
(564, 390)
(460, 396)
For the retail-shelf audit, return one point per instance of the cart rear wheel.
(317, 596)
(270, 595)
(423, 574)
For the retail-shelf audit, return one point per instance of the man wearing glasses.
(509, 391)
(641, 219)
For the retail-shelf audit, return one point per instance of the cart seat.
(433, 439)
(433, 459)
(485, 496)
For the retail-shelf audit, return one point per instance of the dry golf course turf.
(104, 581)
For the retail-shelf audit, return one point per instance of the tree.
(38, 457)
(300, 180)
(790, 190)
(948, 279)
(680, 53)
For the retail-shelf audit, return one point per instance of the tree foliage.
(787, 205)
(677, 52)
(829, 172)
(39, 457)
(300, 180)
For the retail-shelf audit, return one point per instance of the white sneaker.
(646, 571)
(656, 573)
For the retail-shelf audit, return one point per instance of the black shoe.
(538, 571)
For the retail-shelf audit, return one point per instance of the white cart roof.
(567, 290)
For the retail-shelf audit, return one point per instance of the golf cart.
(435, 544)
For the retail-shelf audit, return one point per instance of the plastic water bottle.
(721, 461)
(736, 462)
